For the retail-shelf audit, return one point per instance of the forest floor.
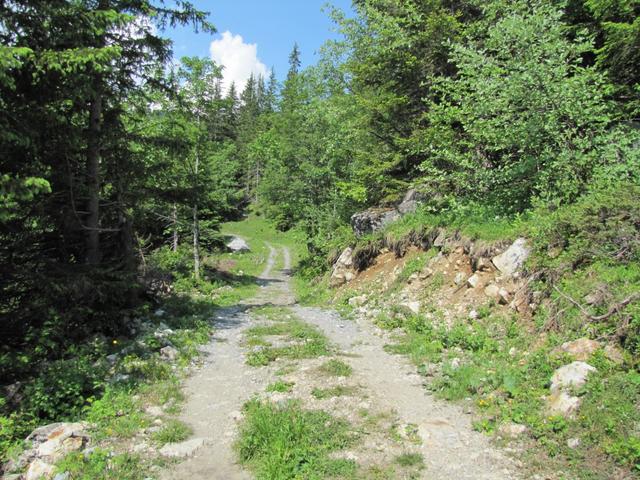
(288, 391)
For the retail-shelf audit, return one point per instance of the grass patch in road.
(281, 442)
(280, 386)
(339, 391)
(410, 460)
(308, 341)
(174, 431)
(336, 368)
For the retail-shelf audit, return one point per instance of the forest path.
(216, 392)
(441, 432)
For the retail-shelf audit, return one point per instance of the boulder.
(413, 306)
(580, 349)
(373, 220)
(459, 278)
(473, 280)
(512, 259)
(561, 403)
(238, 245)
(182, 449)
(169, 353)
(484, 264)
(342, 269)
(573, 375)
(504, 297)
(492, 291)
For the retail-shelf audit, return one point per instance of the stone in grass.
(183, 449)
(512, 430)
(580, 349)
(573, 375)
(512, 259)
(562, 403)
(169, 353)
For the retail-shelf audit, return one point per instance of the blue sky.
(256, 35)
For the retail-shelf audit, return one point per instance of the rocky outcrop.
(49, 444)
(580, 349)
(512, 259)
(375, 219)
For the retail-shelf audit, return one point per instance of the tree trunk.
(174, 219)
(93, 180)
(196, 225)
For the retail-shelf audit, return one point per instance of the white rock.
(413, 306)
(358, 301)
(238, 245)
(473, 314)
(492, 291)
(573, 375)
(512, 429)
(473, 280)
(561, 403)
(183, 449)
(503, 296)
(512, 259)
(154, 411)
(455, 363)
(38, 470)
(573, 442)
(459, 278)
(159, 313)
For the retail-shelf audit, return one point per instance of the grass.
(339, 391)
(281, 442)
(280, 386)
(410, 460)
(336, 368)
(306, 340)
(173, 431)
(101, 464)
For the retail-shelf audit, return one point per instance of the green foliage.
(410, 460)
(280, 442)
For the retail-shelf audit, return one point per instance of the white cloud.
(239, 59)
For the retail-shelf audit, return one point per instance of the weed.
(102, 465)
(336, 368)
(173, 431)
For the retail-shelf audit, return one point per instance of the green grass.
(410, 460)
(308, 341)
(281, 442)
(173, 431)
(101, 464)
(280, 386)
(336, 368)
(339, 391)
